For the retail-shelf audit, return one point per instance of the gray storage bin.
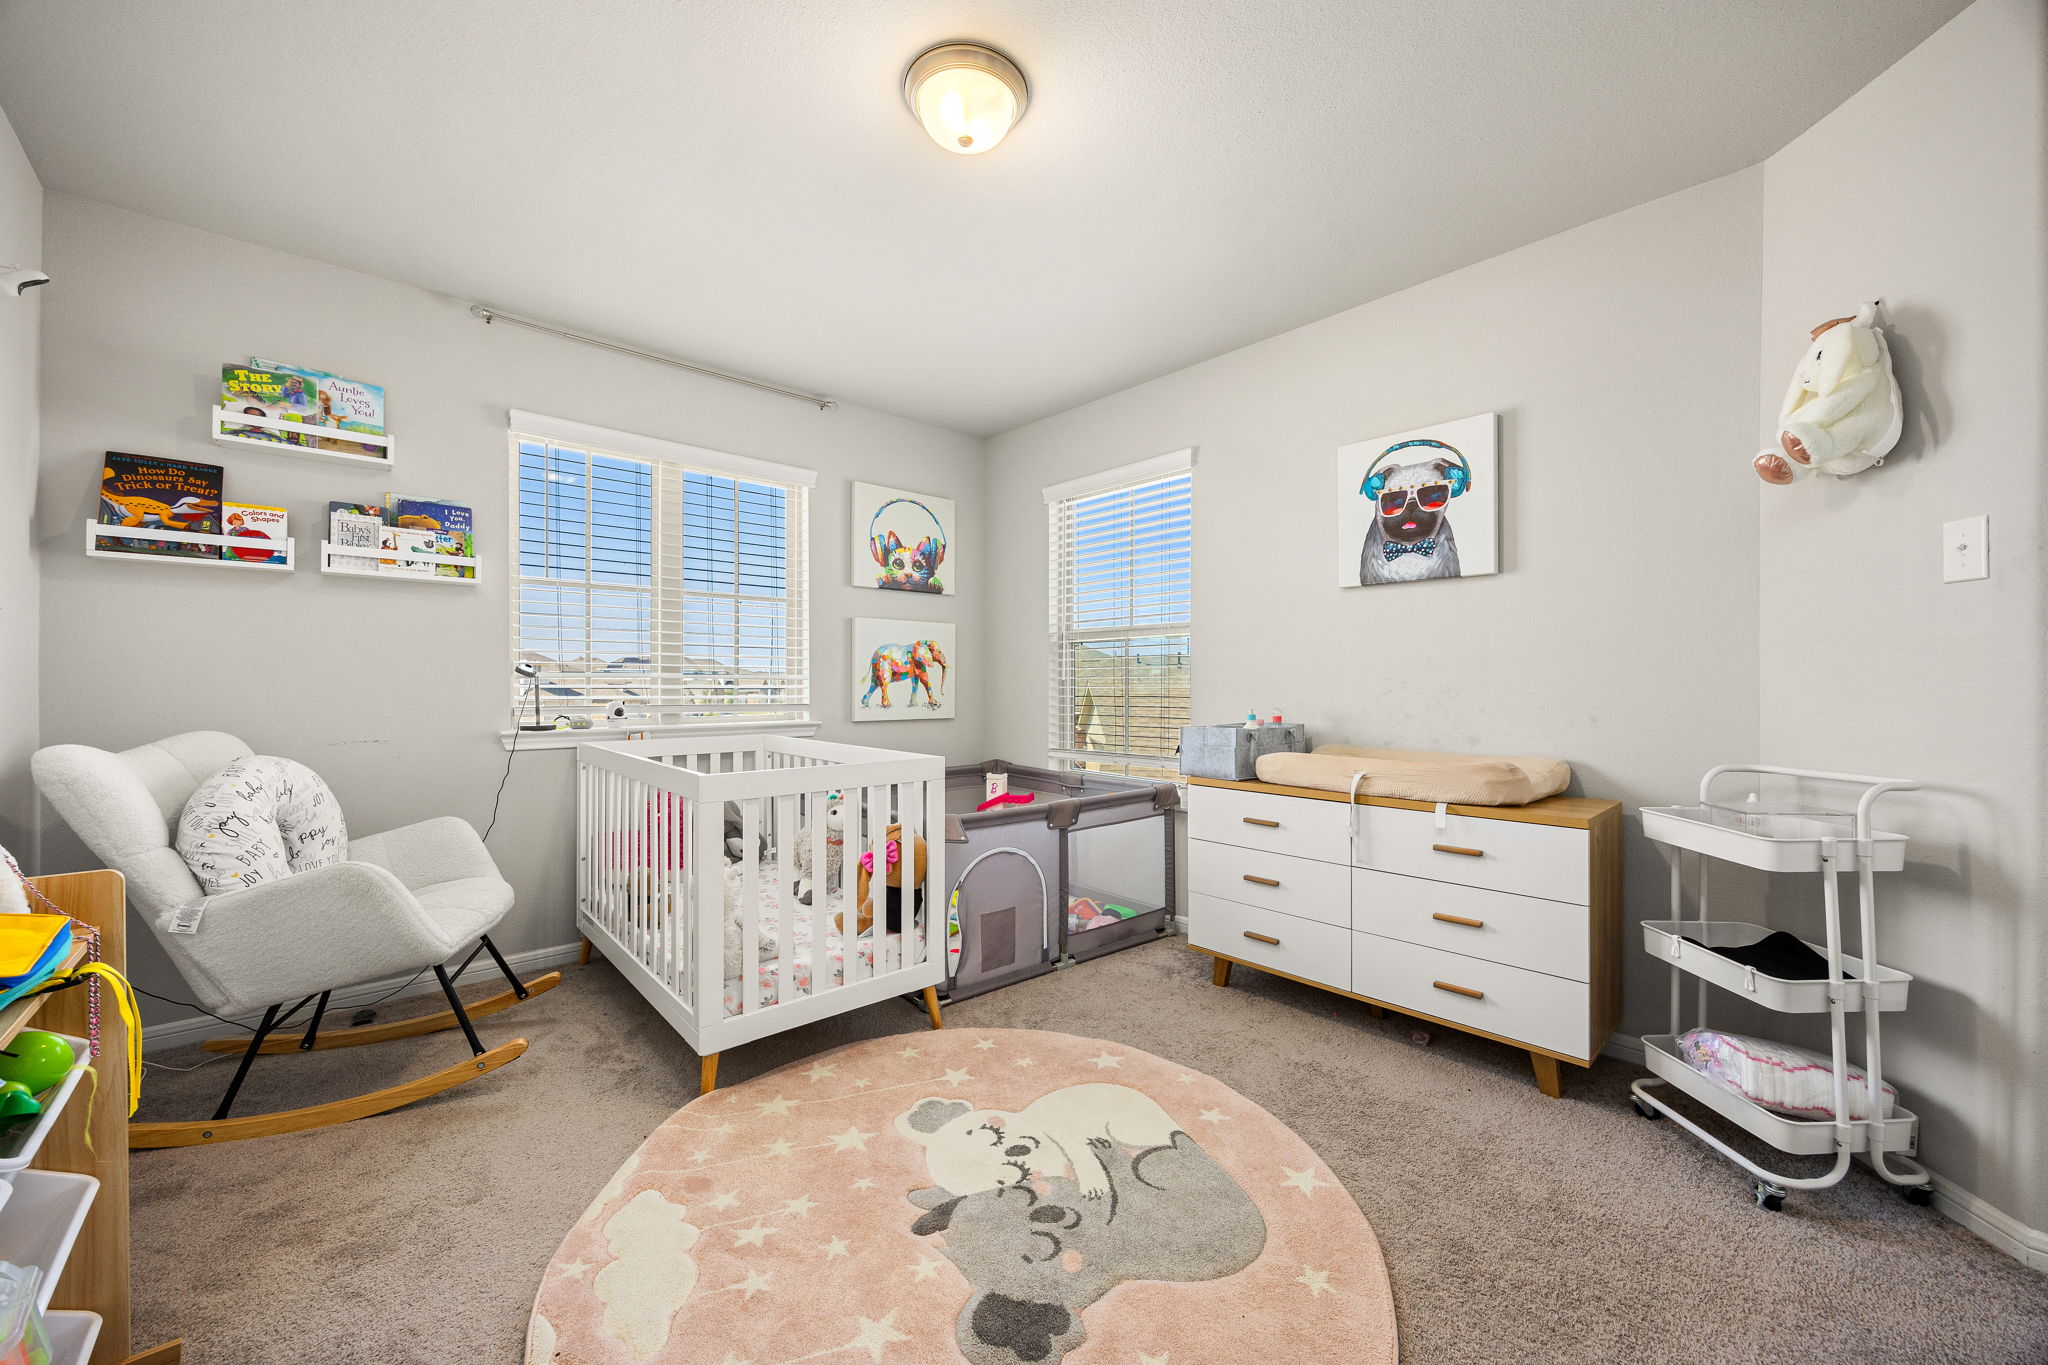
(1231, 752)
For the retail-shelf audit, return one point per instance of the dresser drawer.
(1522, 931)
(1272, 881)
(1267, 938)
(1299, 826)
(1508, 1002)
(1500, 855)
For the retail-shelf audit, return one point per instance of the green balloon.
(39, 1060)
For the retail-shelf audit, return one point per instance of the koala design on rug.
(1411, 537)
(1075, 1131)
(1038, 1254)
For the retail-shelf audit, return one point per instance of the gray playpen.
(1085, 868)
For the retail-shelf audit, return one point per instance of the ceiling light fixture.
(967, 96)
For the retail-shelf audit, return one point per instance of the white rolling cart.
(1773, 838)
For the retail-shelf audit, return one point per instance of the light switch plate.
(1965, 549)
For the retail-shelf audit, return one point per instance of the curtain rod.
(490, 315)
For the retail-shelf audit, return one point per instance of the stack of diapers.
(1777, 1076)
(1419, 775)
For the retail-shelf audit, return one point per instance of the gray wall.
(1926, 190)
(393, 691)
(21, 243)
(1621, 634)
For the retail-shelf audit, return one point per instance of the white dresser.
(1503, 921)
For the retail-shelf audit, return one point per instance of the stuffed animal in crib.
(893, 877)
(835, 850)
(765, 939)
(1842, 414)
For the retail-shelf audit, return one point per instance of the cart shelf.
(1772, 841)
(1802, 1137)
(1666, 941)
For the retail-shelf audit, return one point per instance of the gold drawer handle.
(1262, 938)
(1463, 852)
(1458, 990)
(1261, 881)
(1262, 824)
(1459, 919)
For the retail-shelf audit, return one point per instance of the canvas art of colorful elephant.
(891, 664)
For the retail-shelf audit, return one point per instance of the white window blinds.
(1121, 619)
(676, 591)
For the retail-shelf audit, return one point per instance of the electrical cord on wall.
(510, 753)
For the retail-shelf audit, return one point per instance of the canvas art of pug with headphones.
(1419, 504)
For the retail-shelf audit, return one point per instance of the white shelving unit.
(18, 1147)
(223, 418)
(40, 1222)
(330, 552)
(72, 1335)
(97, 531)
(1830, 843)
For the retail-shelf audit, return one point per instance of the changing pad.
(1419, 775)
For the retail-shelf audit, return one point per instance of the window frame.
(792, 712)
(1063, 634)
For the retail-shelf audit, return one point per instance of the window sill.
(529, 740)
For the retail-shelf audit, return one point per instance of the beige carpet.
(1517, 1229)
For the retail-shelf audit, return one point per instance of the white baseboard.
(2028, 1246)
(199, 1027)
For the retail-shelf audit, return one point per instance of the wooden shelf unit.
(96, 1277)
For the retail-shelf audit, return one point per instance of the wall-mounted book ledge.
(224, 433)
(233, 552)
(398, 566)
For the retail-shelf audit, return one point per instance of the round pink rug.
(998, 1196)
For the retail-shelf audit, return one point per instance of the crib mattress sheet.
(770, 967)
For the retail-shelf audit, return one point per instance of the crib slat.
(910, 809)
(782, 833)
(750, 904)
(821, 892)
(705, 914)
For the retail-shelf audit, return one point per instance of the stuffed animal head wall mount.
(1842, 413)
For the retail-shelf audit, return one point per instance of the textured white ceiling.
(737, 181)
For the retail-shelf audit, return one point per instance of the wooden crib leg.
(707, 1073)
(931, 1005)
(583, 958)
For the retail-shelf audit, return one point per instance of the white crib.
(652, 880)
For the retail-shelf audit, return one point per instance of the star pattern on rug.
(1159, 1359)
(1105, 1059)
(778, 1106)
(1026, 1061)
(822, 1071)
(725, 1199)
(800, 1206)
(755, 1282)
(1317, 1282)
(835, 1248)
(984, 1044)
(779, 1147)
(875, 1333)
(852, 1140)
(862, 1083)
(1304, 1180)
(755, 1236)
(958, 1075)
(866, 1182)
(925, 1270)
(576, 1270)
(910, 1052)
(1214, 1116)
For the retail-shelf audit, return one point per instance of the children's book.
(451, 523)
(174, 495)
(356, 526)
(413, 542)
(264, 527)
(344, 404)
(254, 391)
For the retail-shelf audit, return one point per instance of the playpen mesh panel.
(998, 939)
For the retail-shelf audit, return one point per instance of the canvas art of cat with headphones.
(1419, 505)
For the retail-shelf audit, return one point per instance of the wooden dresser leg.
(1375, 1011)
(707, 1073)
(1220, 976)
(931, 1005)
(1547, 1078)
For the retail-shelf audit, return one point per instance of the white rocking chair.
(403, 901)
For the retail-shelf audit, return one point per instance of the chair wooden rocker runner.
(404, 901)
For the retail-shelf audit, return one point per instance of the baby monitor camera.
(618, 711)
(19, 279)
